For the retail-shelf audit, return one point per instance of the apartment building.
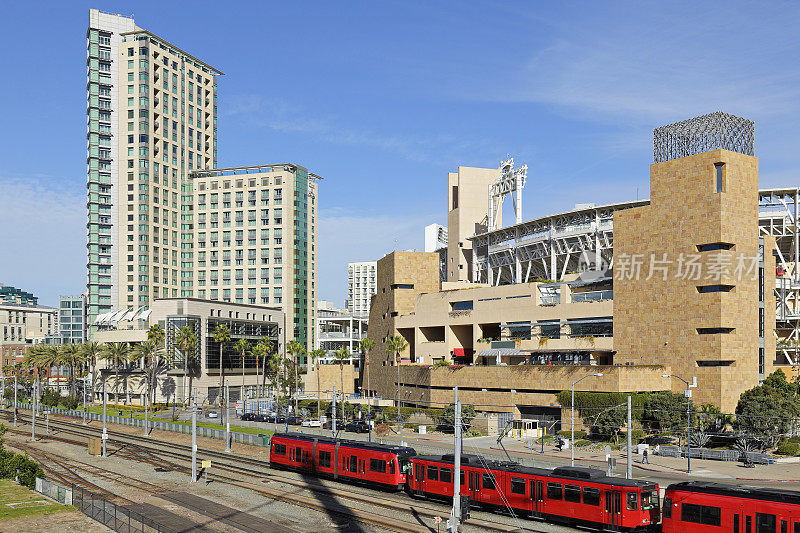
(73, 324)
(151, 120)
(22, 325)
(698, 272)
(361, 278)
(13, 295)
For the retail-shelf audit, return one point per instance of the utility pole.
(146, 401)
(455, 514)
(15, 400)
(227, 418)
(84, 400)
(334, 412)
(629, 469)
(104, 436)
(194, 438)
(33, 418)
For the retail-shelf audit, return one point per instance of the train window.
(517, 485)
(797, 527)
(280, 449)
(488, 482)
(377, 465)
(784, 527)
(735, 523)
(748, 523)
(572, 493)
(391, 466)
(591, 496)
(324, 459)
(445, 475)
(668, 511)
(765, 523)
(554, 491)
(631, 501)
(433, 473)
(461, 481)
(649, 500)
(702, 514)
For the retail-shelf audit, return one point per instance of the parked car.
(213, 414)
(247, 416)
(329, 424)
(311, 423)
(357, 427)
(295, 420)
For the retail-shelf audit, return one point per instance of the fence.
(715, 455)
(113, 516)
(213, 433)
(53, 491)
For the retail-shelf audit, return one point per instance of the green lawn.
(11, 493)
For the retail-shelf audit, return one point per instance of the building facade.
(683, 283)
(199, 369)
(157, 227)
(361, 279)
(337, 329)
(13, 296)
(22, 325)
(73, 320)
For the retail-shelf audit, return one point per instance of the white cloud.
(43, 238)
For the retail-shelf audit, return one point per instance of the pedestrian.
(644, 457)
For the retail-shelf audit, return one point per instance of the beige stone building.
(682, 284)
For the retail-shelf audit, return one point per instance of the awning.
(515, 324)
(498, 353)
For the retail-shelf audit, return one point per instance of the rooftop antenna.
(511, 180)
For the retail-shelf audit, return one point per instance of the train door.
(298, 451)
(474, 482)
(613, 508)
(537, 496)
(353, 464)
(419, 472)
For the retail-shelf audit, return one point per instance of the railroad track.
(145, 449)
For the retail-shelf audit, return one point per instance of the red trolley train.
(574, 494)
(377, 464)
(699, 506)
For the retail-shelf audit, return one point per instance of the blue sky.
(384, 98)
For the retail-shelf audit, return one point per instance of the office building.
(337, 329)
(684, 283)
(435, 237)
(360, 287)
(73, 325)
(27, 325)
(13, 296)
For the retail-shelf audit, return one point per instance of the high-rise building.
(360, 286)
(255, 240)
(13, 295)
(151, 120)
(72, 319)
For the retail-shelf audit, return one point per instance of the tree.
(448, 416)
(711, 420)
(242, 346)
(155, 334)
(315, 356)
(665, 411)
(295, 349)
(769, 410)
(341, 355)
(607, 423)
(265, 347)
(396, 345)
(91, 351)
(147, 352)
(366, 345)
(115, 352)
(186, 342)
(222, 336)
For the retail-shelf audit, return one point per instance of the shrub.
(788, 448)
(579, 434)
(70, 403)
(582, 442)
(796, 438)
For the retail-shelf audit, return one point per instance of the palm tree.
(73, 356)
(315, 356)
(295, 348)
(265, 350)
(396, 345)
(341, 355)
(222, 336)
(155, 334)
(186, 342)
(91, 351)
(366, 345)
(147, 352)
(242, 346)
(116, 352)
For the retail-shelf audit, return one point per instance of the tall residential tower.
(151, 120)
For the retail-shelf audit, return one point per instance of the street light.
(572, 430)
(688, 418)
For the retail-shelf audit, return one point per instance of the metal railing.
(111, 515)
(592, 296)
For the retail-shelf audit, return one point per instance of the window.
(572, 493)
(554, 491)
(488, 482)
(280, 449)
(703, 289)
(354, 463)
(701, 514)
(377, 465)
(517, 485)
(591, 496)
(649, 500)
(718, 170)
(713, 246)
(402, 286)
(462, 306)
(324, 459)
(765, 523)
(714, 331)
(445, 475)
(433, 473)
(631, 501)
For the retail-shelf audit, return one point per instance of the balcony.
(592, 296)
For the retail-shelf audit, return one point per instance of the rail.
(113, 516)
